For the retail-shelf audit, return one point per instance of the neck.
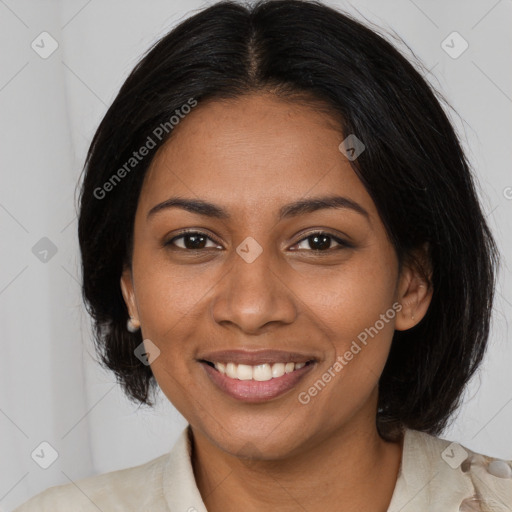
(354, 467)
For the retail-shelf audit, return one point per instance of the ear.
(129, 294)
(414, 289)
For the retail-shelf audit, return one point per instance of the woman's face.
(308, 282)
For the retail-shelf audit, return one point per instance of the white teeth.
(278, 370)
(230, 370)
(244, 372)
(260, 372)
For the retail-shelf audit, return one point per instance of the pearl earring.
(132, 325)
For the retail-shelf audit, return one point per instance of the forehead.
(251, 152)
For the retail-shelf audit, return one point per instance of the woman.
(278, 226)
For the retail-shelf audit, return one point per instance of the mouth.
(261, 372)
(256, 376)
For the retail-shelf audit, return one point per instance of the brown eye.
(193, 240)
(321, 241)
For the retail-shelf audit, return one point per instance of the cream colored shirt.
(435, 475)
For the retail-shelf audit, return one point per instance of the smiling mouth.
(259, 372)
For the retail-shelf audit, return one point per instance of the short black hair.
(413, 167)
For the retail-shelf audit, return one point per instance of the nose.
(254, 294)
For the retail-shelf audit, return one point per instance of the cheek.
(353, 298)
(355, 310)
(169, 308)
(166, 304)
(170, 297)
(348, 379)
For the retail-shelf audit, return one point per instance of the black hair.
(413, 167)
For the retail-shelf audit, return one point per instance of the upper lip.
(255, 357)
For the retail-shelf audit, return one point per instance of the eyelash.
(341, 243)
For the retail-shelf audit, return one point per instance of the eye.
(317, 241)
(192, 240)
(320, 241)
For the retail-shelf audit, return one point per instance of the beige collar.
(431, 478)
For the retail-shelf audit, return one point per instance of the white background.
(51, 389)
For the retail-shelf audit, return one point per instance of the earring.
(132, 325)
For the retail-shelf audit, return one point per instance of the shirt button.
(500, 469)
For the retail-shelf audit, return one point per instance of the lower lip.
(256, 391)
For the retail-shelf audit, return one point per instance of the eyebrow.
(294, 209)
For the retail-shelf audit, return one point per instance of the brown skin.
(251, 156)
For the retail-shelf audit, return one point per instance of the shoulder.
(452, 474)
(135, 488)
